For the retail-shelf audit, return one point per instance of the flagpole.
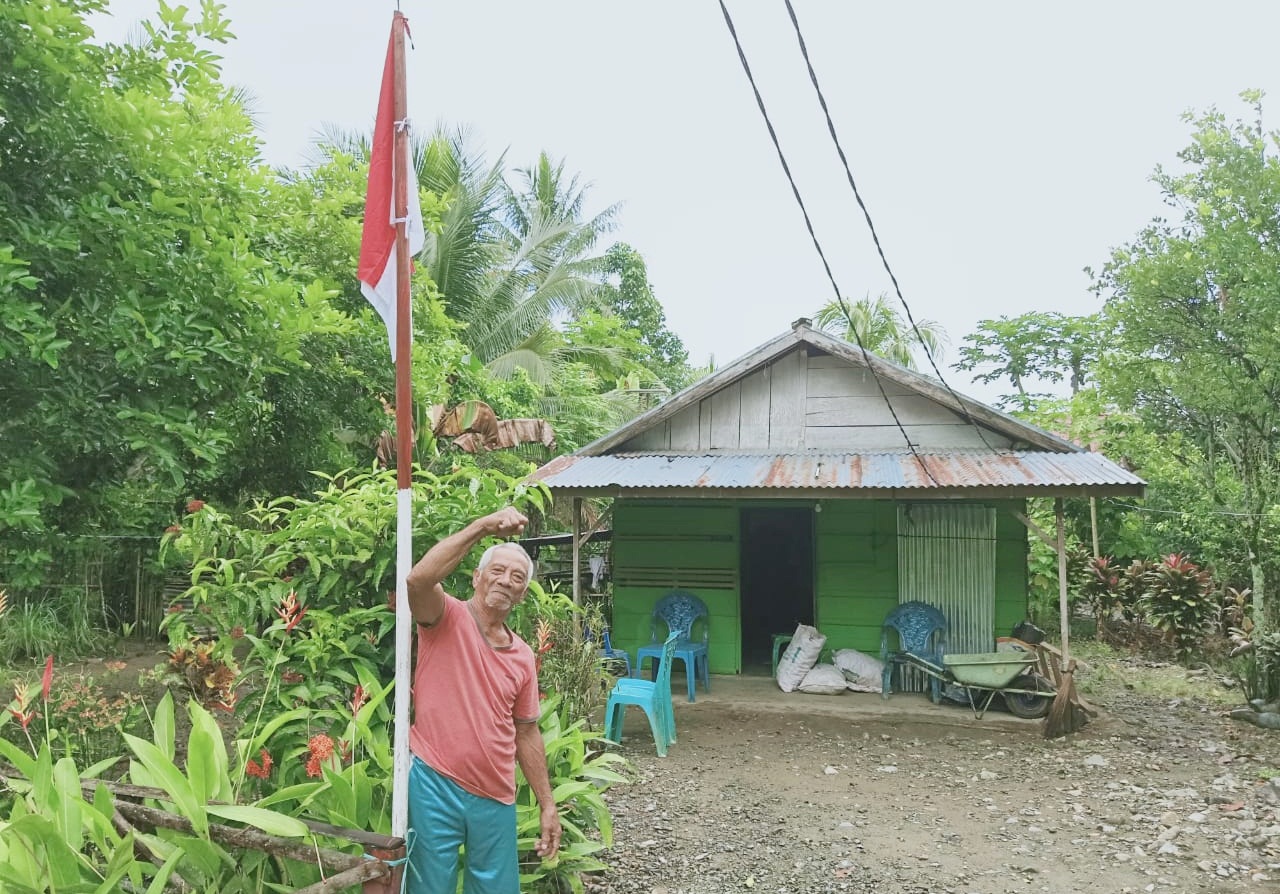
(404, 445)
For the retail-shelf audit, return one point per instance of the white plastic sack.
(823, 679)
(800, 657)
(862, 672)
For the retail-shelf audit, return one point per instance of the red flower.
(321, 749)
(358, 699)
(290, 611)
(46, 681)
(344, 748)
(173, 529)
(194, 506)
(261, 771)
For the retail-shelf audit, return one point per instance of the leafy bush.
(1257, 669)
(1177, 599)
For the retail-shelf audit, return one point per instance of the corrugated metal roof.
(899, 470)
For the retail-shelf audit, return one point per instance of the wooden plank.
(726, 416)
(889, 437)
(848, 382)
(653, 439)
(704, 424)
(872, 410)
(777, 347)
(683, 429)
(787, 390)
(754, 412)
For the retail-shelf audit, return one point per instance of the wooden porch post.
(577, 551)
(1093, 523)
(1062, 578)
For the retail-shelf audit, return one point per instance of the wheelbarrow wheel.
(1027, 705)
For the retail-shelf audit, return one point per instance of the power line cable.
(831, 128)
(1185, 512)
(795, 190)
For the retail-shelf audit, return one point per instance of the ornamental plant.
(1177, 599)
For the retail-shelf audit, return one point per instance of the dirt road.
(771, 793)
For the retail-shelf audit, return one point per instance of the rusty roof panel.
(956, 469)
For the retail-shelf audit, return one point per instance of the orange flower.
(20, 713)
(259, 770)
(194, 506)
(173, 529)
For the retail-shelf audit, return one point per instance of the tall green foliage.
(1196, 318)
(139, 327)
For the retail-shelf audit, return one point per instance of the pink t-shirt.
(467, 698)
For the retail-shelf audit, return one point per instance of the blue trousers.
(443, 817)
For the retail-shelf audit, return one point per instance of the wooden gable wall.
(810, 401)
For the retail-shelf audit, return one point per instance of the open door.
(777, 579)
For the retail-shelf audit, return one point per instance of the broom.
(1064, 715)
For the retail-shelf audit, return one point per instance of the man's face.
(501, 585)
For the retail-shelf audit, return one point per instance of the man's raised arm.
(426, 595)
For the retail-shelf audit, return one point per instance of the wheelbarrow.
(984, 674)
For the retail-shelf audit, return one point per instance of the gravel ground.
(849, 793)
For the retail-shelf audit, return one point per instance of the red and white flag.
(377, 270)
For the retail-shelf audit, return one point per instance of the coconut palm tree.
(881, 329)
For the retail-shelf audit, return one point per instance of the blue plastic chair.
(609, 653)
(653, 696)
(922, 634)
(679, 611)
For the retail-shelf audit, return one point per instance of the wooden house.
(811, 482)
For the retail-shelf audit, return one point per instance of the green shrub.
(1177, 599)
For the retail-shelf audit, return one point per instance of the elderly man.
(475, 701)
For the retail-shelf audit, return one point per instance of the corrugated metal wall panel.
(947, 558)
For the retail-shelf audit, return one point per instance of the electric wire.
(795, 191)
(875, 237)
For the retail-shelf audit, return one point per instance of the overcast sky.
(1001, 147)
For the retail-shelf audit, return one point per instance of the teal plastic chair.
(922, 634)
(680, 612)
(653, 696)
(608, 654)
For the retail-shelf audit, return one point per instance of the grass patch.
(1111, 670)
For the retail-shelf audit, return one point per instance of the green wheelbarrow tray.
(983, 674)
(988, 670)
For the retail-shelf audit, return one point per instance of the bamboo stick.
(366, 871)
(246, 838)
(143, 851)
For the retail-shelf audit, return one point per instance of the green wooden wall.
(660, 545)
(857, 580)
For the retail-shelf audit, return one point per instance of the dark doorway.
(777, 579)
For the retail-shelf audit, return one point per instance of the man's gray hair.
(488, 556)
